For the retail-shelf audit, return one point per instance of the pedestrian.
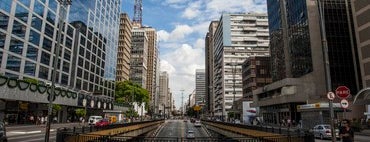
(346, 132)
(42, 119)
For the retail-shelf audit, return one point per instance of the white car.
(324, 131)
(197, 124)
(190, 134)
(94, 119)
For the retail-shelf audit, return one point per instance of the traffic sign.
(197, 108)
(344, 103)
(331, 96)
(342, 92)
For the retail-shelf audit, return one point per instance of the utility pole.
(62, 14)
(327, 65)
(182, 102)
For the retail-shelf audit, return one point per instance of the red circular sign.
(342, 92)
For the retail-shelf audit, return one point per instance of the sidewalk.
(365, 132)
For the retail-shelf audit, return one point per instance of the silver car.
(2, 133)
(190, 134)
(324, 131)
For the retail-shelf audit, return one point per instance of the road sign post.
(344, 104)
(331, 96)
(343, 92)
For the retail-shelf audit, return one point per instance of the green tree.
(129, 92)
(56, 108)
(80, 112)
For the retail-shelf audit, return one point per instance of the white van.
(94, 119)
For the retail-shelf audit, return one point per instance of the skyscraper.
(297, 59)
(139, 57)
(200, 88)
(237, 37)
(163, 91)
(152, 71)
(124, 48)
(209, 42)
(88, 51)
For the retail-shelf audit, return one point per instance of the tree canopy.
(129, 92)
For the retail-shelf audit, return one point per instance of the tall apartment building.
(237, 37)
(88, 52)
(209, 41)
(298, 67)
(124, 48)
(139, 57)
(163, 91)
(200, 87)
(361, 16)
(152, 71)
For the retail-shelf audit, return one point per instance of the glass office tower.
(88, 51)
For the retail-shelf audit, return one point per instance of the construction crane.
(138, 13)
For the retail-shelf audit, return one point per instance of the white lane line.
(29, 136)
(17, 133)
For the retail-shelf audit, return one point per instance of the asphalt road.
(179, 128)
(33, 133)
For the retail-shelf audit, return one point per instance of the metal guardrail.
(92, 128)
(100, 138)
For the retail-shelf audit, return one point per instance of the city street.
(34, 133)
(179, 128)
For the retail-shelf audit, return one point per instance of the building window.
(66, 67)
(16, 46)
(34, 37)
(21, 13)
(47, 44)
(64, 79)
(79, 72)
(30, 68)
(14, 63)
(45, 58)
(43, 72)
(6, 5)
(19, 29)
(78, 83)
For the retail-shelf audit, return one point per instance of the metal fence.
(70, 137)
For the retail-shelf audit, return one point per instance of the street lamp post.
(62, 14)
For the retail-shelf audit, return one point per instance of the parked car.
(3, 137)
(190, 134)
(197, 123)
(323, 131)
(102, 123)
(94, 119)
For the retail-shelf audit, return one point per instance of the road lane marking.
(28, 136)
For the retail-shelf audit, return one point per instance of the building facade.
(151, 83)
(124, 48)
(200, 87)
(237, 37)
(163, 91)
(87, 61)
(139, 57)
(255, 74)
(298, 68)
(209, 42)
(361, 21)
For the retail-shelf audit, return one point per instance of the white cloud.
(163, 35)
(176, 36)
(192, 10)
(165, 66)
(180, 32)
(185, 60)
(199, 43)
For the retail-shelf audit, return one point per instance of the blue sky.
(181, 26)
